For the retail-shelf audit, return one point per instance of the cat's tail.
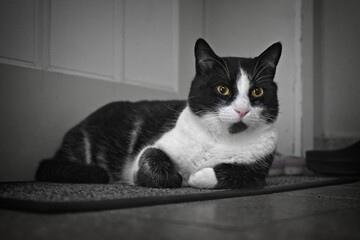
(53, 170)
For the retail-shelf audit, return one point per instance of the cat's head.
(238, 93)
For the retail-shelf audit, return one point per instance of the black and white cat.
(223, 136)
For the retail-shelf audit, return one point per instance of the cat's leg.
(157, 170)
(232, 175)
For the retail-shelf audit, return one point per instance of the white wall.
(41, 101)
(337, 37)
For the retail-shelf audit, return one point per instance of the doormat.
(44, 197)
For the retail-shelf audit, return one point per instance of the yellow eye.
(223, 90)
(257, 92)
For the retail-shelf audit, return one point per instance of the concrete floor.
(331, 212)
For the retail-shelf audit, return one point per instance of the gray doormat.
(42, 197)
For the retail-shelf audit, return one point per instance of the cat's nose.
(242, 112)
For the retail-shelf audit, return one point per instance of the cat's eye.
(257, 92)
(223, 90)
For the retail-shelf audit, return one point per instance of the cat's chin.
(238, 127)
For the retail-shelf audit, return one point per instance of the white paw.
(204, 178)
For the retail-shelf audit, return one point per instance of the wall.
(337, 37)
(38, 106)
(307, 75)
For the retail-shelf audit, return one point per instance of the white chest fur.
(192, 145)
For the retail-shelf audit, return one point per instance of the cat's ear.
(271, 55)
(205, 57)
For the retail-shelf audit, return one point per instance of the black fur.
(157, 170)
(243, 175)
(237, 128)
(109, 130)
(63, 171)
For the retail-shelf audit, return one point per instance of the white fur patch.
(242, 101)
(205, 178)
(134, 135)
(243, 85)
(131, 168)
(202, 142)
(230, 114)
(87, 147)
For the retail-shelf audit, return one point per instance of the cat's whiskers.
(262, 69)
(213, 125)
(256, 65)
(210, 122)
(267, 77)
(222, 73)
(168, 107)
(202, 111)
(225, 67)
(264, 81)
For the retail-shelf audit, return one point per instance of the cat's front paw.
(204, 178)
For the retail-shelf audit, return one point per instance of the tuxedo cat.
(223, 136)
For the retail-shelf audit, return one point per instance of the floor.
(331, 212)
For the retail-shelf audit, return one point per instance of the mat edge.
(48, 207)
